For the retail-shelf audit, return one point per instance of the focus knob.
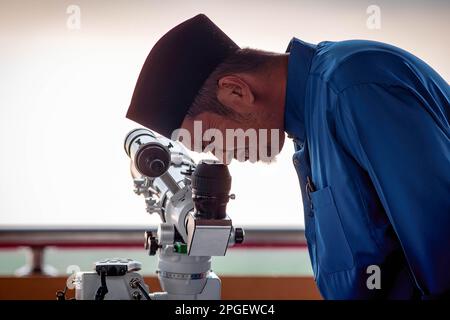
(151, 243)
(239, 235)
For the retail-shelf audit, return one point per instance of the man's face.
(247, 139)
(255, 130)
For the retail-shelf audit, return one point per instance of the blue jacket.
(370, 124)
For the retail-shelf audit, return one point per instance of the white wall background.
(64, 94)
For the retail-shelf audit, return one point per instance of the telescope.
(191, 201)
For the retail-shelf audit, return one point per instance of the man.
(370, 125)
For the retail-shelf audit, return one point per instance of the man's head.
(197, 79)
(241, 108)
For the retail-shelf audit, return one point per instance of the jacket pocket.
(310, 235)
(332, 248)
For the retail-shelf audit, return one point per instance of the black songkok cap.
(175, 71)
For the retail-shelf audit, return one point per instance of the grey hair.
(242, 61)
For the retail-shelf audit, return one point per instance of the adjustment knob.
(153, 246)
(151, 243)
(239, 235)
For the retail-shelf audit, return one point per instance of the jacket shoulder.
(347, 63)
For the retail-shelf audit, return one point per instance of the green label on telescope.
(180, 247)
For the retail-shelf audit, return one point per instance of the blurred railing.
(37, 239)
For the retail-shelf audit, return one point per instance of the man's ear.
(234, 92)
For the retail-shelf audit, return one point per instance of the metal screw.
(134, 282)
(137, 295)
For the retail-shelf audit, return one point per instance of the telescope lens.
(149, 156)
(211, 184)
(152, 160)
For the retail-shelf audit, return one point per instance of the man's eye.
(211, 140)
(206, 143)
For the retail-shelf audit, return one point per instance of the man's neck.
(276, 86)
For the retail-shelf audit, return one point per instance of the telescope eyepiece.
(211, 184)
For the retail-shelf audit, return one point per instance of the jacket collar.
(300, 57)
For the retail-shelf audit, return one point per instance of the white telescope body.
(185, 241)
(194, 225)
